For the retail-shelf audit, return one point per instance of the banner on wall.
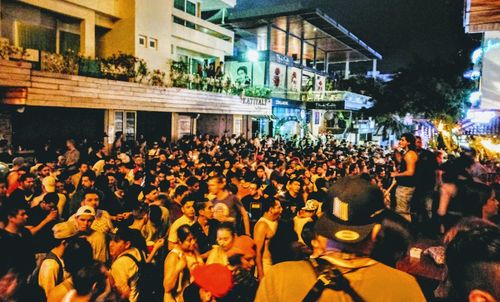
(277, 76)
(320, 86)
(294, 79)
(242, 74)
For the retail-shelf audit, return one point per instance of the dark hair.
(26, 176)
(473, 261)
(200, 206)
(91, 191)
(308, 233)
(90, 174)
(477, 194)
(410, 138)
(188, 198)
(51, 197)
(90, 279)
(227, 226)
(180, 190)
(77, 254)
(141, 211)
(192, 293)
(183, 232)
(268, 204)
(393, 239)
(149, 189)
(191, 181)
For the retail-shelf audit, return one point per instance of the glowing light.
(252, 55)
(480, 117)
(476, 55)
(475, 98)
(488, 144)
(440, 127)
(472, 74)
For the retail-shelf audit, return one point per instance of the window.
(320, 59)
(153, 43)
(278, 41)
(294, 47)
(142, 40)
(178, 20)
(125, 122)
(180, 4)
(36, 37)
(308, 56)
(186, 6)
(191, 8)
(68, 41)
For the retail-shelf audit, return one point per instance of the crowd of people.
(229, 219)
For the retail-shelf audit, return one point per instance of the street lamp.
(252, 56)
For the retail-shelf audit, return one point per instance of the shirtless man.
(264, 230)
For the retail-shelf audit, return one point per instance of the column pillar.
(87, 36)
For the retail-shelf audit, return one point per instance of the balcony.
(20, 85)
(189, 28)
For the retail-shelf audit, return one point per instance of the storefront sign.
(338, 105)
(282, 59)
(287, 103)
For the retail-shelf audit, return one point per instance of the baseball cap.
(64, 230)
(242, 245)
(17, 161)
(352, 210)
(215, 278)
(85, 210)
(311, 205)
(49, 183)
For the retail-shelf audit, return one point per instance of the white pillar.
(374, 68)
(347, 70)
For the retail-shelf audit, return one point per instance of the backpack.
(329, 277)
(149, 280)
(60, 272)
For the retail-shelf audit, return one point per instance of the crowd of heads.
(227, 207)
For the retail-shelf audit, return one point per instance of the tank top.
(405, 181)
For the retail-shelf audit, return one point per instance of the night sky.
(398, 29)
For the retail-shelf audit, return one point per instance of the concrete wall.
(123, 35)
(154, 20)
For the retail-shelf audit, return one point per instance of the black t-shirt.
(205, 242)
(43, 240)
(16, 252)
(253, 206)
(290, 201)
(21, 197)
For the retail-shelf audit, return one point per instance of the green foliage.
(124, 67)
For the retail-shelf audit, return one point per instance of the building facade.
(38, 105)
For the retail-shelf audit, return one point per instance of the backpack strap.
(60, 271)
(139, 266)
(329, 276)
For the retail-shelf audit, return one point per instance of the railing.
(203, 26)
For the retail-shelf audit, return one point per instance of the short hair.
(269, 203)
(180, 190)
(90, 278)
(26, 176)
(200, 206)
(473, 261)
(183, 232)
(188, 198)
(148, 189)
(77, 254)
(191, 181)
(91, 191)
(90, 174)
(141, 211)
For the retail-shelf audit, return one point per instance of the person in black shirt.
(23, 195)
(41, 219)
(16, 242)
(205, 227)
(293, 198)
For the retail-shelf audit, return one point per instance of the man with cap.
(84, 218)
(346, 232)
(305, 215)
(52, 271)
